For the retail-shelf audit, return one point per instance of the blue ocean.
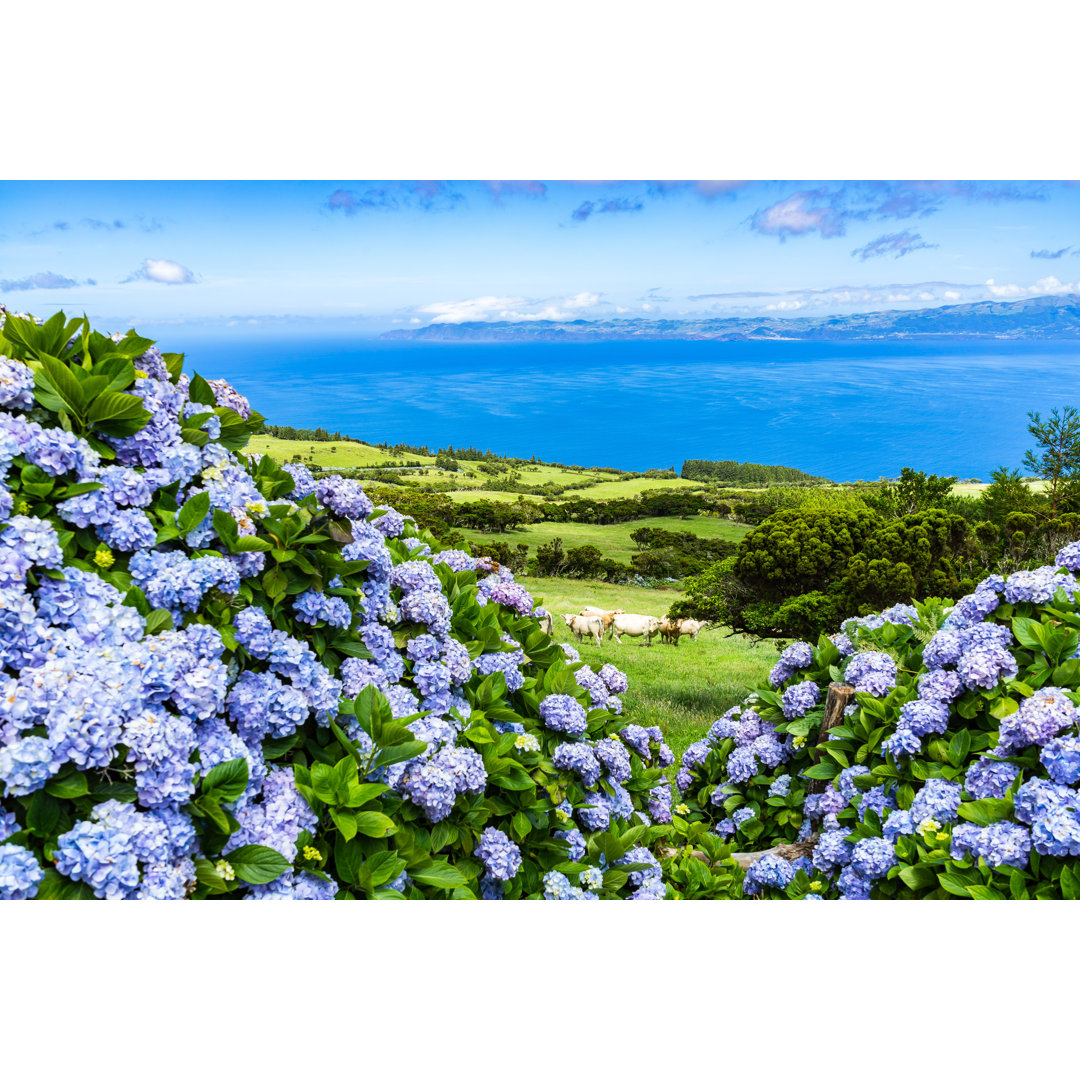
(847, 411)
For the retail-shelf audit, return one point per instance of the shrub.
(955, 771)
(227, 679)
(801, 571)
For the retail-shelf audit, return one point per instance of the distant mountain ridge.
(1039, 318)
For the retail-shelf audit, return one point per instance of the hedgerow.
(955, 770)
(223, 678)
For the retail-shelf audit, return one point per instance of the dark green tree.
(1057, 459)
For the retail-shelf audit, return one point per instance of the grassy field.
(681, 689)
(613, 540)
(345, 455)
(627, 489)
(974, 490)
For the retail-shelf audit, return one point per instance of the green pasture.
(613, 540)
(345, 455)
(975, 490)
(627, 489)
(683, 688)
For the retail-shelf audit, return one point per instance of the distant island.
(1040, 318)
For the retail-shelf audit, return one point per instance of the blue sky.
(368, 256)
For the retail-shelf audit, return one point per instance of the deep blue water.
(846, 411)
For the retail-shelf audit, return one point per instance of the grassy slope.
(683, 689)
(613, 540)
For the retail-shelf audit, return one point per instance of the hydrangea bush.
(222, 678)
(955, 771)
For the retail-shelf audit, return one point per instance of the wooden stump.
(840, 696)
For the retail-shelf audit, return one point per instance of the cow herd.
(595, 622)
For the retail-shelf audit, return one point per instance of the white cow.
(604, 616)
(546, 620)
(693, 627)
(634, 626)
(586, 625)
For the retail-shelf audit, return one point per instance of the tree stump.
(840, 696)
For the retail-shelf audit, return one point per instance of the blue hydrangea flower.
(20, 872)
(560, 712)
(795, 657)
(873, 857)
(499, 854)
(871, 673)
(799, 699)
(768, 872)
(986, 779)
(832, 851)
(938, 799)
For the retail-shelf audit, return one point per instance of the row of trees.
(745, 472)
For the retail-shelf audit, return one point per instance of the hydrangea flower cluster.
(96, 681)
(871, 673)
(794, 658)
(768, 872)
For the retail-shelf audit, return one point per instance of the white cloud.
(786, 305)
(510, 309)
(164, 271)
(1047, 286)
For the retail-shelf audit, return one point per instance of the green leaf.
(521, 825)
(918, 877)
(226, 528)
(113, 405)
(514, 779)
(274, 583)
(382, 867)
(348, 858)
(391, 755)
(444, 833)
(359, 794)
(42, 814)
(227, 781)
(1028, 632)
(824, 770)
(983, 892)
(951, 883)
(372, 823)
(257, 864)
(986, 811)
(158, 621)
(54, 886)
(440, 874)
(206, 874)
(68, 787)
(345, 820)
(1070, 883)
(959, 747)
(201, 392)
(251, 543)
(193, 513)
(174, 363)
(1018, 886)
(118, 371)
(54, 375)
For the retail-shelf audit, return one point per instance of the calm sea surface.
(843, 411)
